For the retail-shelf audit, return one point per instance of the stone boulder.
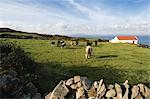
(69, 81)
(60, 91)
(110, 93)
(77, 79)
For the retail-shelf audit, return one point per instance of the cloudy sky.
(101, 17)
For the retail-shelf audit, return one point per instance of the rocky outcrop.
(81, 88)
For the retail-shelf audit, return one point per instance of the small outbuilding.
(125, 39)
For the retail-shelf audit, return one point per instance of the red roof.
(127, 37)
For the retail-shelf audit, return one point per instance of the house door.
(133, 42)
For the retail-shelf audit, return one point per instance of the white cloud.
(61, 26)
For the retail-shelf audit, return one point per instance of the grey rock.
(125, 96)
(15, 82)
(48, 95)
(26, 96)
(16, 92)
(95, 84)
(76, 79)
(2, 81)
(92, 92)
(141, 86)
(110, 86)
(79, 84)
(14, 87)
(5, 79)
(99, 85)
(147, 92)
(69, 81)
(91, 98)
(101, 95)
(86, 83)
(30, 87)
(83, 97)
(12, 73)
(59, 91)
(37, 96)
(139, 96)
(118, 90)
(102, 91)
(111, 93)
(79, 93)
(74, 86)
(135, 91)
(144, 91)
(55, 97)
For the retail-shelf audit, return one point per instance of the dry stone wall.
(12, 87)
(81, 88)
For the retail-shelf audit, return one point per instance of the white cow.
(71, 43)
(88, 51)
(63, 45)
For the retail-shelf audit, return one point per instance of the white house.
(125, 39)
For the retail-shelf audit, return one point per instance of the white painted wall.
(115, 40)
(127, 41)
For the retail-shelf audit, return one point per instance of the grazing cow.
(88, 51)
(63, 44)
(58, 43)
(52, 43)
(89, 43)
(77, 42)
(71, 43)
(95, 43)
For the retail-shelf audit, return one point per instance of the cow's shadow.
(107, 56)
(73, 48)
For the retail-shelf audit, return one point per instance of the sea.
(141, 39)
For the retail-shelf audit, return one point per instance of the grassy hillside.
(20, 34)
(113, 62)
(15, 34)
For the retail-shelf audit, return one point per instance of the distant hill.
(10, 30)
(7, 30)
(11, 33)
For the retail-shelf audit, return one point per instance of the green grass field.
(112, 62)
